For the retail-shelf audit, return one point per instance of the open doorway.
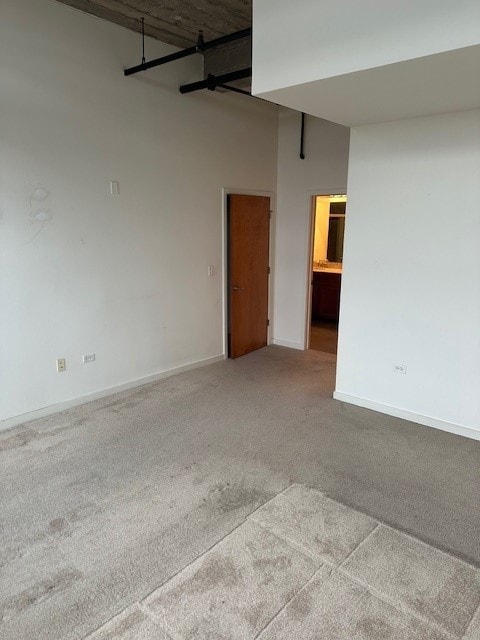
(328, 229)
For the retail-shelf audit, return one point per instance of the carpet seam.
(401, 609)
(399, 529)
(291, 543)
(240, 524)
(312, 577)
(301, 549)
(344, 505)
(431, 546)
(467, 630)
(120, 613)
(359, 544)
(293, 484)
(160, 621)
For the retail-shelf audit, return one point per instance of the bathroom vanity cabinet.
(326, 295)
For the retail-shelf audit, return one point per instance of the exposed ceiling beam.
(200, 47)
(175, 22)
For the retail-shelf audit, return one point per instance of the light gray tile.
(331, 607)
(321, 527)
(419, 577)
(132, 624)
(233, 590)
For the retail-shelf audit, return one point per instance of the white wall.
(298, 42)
(411, 277)
(122, 276)
(323, 171)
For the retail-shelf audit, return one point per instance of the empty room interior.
(240, 320)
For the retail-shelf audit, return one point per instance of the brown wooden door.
(248, 244)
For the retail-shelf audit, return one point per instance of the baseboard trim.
(427, 421)
(8, 423)
(290, 345)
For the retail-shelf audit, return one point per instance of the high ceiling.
(175, 22)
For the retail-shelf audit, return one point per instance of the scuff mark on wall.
(39, 215)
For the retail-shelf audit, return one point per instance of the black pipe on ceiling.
(302, 138)
(244, 92)
(212, 82)
(236, 90)
(198, 48)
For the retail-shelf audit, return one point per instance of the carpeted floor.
(304, 566)
(102, 504)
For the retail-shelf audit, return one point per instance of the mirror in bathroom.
(329, 230)
(336, 231)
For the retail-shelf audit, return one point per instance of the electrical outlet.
(88, 357)
(61, 365)
(400, 368)
(210, 270)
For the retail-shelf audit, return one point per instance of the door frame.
(312, 194)
(226, 191)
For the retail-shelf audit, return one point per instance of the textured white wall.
(297, 42)
(411, 277)
(324, 170)
(122, 276)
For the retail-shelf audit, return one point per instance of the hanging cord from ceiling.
(143, 41)
(200, 47)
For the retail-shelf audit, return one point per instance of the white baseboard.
(435, 423)
(290, 345)
(96, 395)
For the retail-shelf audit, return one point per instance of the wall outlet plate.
(88, 357)
(61, 365)
(114, 187)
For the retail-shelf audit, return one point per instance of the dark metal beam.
(211, 82)
(198, 48)
(246, 93)
(235, 90)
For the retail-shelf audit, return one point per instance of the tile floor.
(306, 567)
(324, 336)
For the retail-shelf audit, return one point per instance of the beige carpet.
(102, 504)
(302, 567)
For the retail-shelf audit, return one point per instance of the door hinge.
(270, 214)
(268, 270)
(268, 322)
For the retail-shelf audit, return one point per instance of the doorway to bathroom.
(328, 230)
